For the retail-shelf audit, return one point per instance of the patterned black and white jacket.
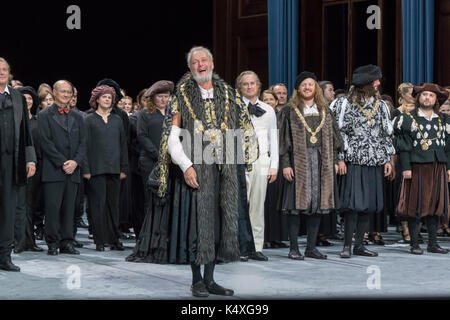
(364, 144)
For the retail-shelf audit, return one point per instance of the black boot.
(413, 227)
(350, 219)
(313, 224)
(361, 228)
(294, 224)
(432, 225)
(199, 290)
(6, 263)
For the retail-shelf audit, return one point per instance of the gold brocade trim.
(368, 116)
(313, 138)
(200, 127)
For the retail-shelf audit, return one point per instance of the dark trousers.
(37, 198)
(8, 191)
(79, 207)
(137, 203)
(103, 195)
(59, 204)
(246, 243)
(23, 225)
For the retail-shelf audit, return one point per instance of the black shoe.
(416, 250)
(39, 234)
(52, 251)
(9, 266)
(77, 244)
(34, 248)
(69, 249)
(323, 243)
(295, 255)
(345, 253)
(199, 290)
(258, 256)
(118, 246)
(437, 249)
(100, 247)
(336, 236)
(315, 254)
(82, 224)
(19, 250)
(214, 288)
(362, 251)
(420, 239)
(244, 258)
(279, 244)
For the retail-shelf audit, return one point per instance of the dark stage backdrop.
(133, 42)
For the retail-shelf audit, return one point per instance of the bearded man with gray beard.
(204, 110)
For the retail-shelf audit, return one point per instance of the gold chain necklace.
(425, 140)
(368, 116)
(200, 127)
(313, 138)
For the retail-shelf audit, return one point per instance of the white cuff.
(176, 150)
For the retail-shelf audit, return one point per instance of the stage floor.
(106, 275)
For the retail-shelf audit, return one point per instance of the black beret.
(34, 96)
(366, 75)
(161, 86)
(302, 76)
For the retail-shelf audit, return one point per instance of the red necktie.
(61, 110)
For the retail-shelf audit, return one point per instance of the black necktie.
(2, 100)
(255, 109)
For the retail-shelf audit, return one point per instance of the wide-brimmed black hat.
(366, 75)
(33, 94)
(304, 75)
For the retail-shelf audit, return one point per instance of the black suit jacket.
(60, 143)
(23, 142)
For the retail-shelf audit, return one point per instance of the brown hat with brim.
(161, 86)
(441, 93)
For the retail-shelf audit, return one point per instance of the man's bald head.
(63, 92)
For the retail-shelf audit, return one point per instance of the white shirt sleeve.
(176, 150)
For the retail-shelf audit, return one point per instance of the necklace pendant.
(369, 123)
(313, 140)
(425, 146)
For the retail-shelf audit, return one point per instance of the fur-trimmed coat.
(203, 228)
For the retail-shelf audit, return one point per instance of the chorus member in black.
(154, 237)
(18, 160)
(62, 139)
(105, 166)
(24, 228)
